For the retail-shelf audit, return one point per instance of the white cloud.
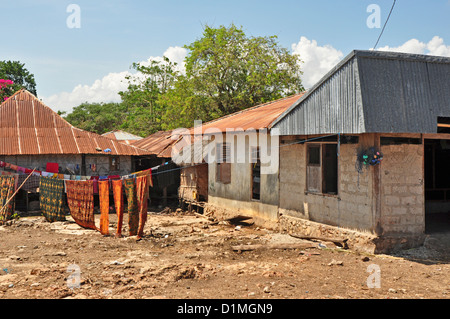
(175, 54)
(435, 46)
(105, 89)
(317, 60)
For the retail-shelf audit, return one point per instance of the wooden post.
(83, 165)
(376, 184)
(164, 191)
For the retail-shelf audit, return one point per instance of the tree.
(226, 71)
(234, 71)
(182, 106)
(141, 99)
(6, 89)
(97, 117)
(17, 73)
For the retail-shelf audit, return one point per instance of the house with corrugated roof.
(230, 164)
(165, 184)
(364, 153)
(33, 135)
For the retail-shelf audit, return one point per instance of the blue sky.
(75, 64)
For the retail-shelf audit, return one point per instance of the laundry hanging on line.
(158, 170)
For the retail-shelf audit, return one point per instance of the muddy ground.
(185, 256)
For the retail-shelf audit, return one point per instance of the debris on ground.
(190, 255)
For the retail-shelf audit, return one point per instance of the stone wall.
(356, 240)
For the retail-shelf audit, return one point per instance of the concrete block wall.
(40, 161)
(355, 191)
(102, 165)
(102, 162)
(351, 208)
(402, 190)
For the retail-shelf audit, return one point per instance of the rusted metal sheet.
(122, 136)
(28, 127)
(257, 117)
(159, 143)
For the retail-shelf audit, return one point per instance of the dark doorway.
(330, 169)
(437, 185)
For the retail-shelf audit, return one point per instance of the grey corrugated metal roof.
(374, 91)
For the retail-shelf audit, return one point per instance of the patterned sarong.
(80, 198)
(142, 190)
(103, 188)
(51, 198)
(133, 215)
(7, 189)
(148, 173)
(118, 203)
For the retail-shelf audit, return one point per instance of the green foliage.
(235, 71)
(141, 100)
(16, 72)
(97, 117)
(226, 71)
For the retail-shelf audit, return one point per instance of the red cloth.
(103, 187)
(142, 197)
(52, 168)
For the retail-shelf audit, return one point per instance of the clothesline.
(28, 171)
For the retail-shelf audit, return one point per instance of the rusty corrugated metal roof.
(122, 136)
(159, 143)
(29, 127)
(257, 117)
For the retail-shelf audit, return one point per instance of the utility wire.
(392, 8)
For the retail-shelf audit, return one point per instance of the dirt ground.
(184, 256)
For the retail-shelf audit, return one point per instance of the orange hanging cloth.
(142, 190)
(80, 199)
(103, 189)
(118, 203)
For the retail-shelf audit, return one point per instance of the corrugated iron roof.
(257, 117)
(29, 127)
(122, 136)
(159, 143)
(374, 92)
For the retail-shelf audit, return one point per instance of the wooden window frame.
(318, 171)
(116, 166)
(223, 165)
(255, 166)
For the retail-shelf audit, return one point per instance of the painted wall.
(237, 195)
